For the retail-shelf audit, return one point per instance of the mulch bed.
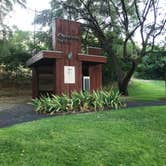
(25, 112)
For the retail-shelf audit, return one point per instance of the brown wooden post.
(79, 76)
(54, 73)
(95, 70)
(35, 83)
(59, 78)
(95, 73)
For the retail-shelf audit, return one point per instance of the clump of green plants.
(79, 102)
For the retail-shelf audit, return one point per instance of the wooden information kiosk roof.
(59, 54)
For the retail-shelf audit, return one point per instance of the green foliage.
(43, 41)
(152, 66)
(15, 51)
(78, 102)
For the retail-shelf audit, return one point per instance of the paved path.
(19, 113)
(144, 103)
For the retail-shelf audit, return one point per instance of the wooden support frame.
(35, 83)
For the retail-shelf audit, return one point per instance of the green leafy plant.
(78, 102)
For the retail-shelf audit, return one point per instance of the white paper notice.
(69, 74)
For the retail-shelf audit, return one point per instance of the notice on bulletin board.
(69, 74)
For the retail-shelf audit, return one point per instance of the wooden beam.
(95, 73)
(94, 51)
(92, 58)
(53, 54)
(44, 55)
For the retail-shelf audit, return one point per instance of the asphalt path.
(20, 113)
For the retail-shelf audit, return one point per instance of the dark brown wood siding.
(95, 73)
(68, 29)
(35, 83)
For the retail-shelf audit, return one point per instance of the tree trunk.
(123, 86)
(122, 81)
(115, 63)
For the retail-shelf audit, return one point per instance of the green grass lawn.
(147, 90)
(125, 137)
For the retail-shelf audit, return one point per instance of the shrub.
(78, 102)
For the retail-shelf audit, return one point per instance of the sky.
(23, 18)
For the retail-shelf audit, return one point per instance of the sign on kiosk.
(69, 74)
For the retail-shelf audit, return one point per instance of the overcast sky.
(23, 18)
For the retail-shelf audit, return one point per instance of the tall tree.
(125, 18)
(15, 50)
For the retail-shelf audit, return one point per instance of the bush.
(152, 66)
(78, 102)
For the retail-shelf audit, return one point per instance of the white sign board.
(69, 74)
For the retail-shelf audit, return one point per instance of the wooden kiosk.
(66, 68)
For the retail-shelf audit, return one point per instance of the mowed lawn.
(147, 90)
(134, 136)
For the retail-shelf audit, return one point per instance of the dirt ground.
(10, 96)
